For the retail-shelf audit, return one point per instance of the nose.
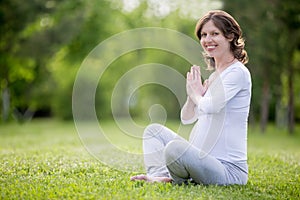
(208, 38)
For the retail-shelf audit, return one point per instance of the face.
(213, 41)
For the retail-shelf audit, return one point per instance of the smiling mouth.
(211, 47)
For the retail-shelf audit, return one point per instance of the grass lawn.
(45, 159)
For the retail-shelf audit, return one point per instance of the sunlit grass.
(47, 160)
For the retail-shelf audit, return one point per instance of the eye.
(216, 33)
(203, 35)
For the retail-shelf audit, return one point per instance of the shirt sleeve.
(223, 88)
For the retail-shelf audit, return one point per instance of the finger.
(189, 76)
(196, 73)
(205, 83)
(199, 71)
(205, 86)
(196, 67)
(198, 76)
(194, 70)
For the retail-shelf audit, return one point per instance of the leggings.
(166, 154)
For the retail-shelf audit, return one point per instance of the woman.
(216, 152)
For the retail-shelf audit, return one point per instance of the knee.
(152, 129)
(175, 149)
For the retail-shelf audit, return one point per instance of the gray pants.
(166, 154)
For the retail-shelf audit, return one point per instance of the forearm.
(188, 110)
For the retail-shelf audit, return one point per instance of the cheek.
(225, 43)
(228, 45)
(202, 43)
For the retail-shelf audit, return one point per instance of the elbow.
(184, 122)
(188, 120)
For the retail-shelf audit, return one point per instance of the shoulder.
(238, 66)
(237, 75)
(237, 69)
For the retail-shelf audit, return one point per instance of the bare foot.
(151, 179)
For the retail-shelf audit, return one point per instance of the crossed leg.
(155, 138)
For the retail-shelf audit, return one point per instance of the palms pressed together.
(194, 87)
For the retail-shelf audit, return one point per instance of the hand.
(195, 89)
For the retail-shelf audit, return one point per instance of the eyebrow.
(211, 31)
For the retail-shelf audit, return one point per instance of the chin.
(210, 54)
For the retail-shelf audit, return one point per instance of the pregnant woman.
(216, 152)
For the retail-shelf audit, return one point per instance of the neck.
(224, 63)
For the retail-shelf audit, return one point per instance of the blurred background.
(43, 44)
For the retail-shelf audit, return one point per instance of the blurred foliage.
(30, 36)
(272, 31)
(43, 44)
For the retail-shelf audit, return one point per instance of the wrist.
(197, 99)
(194, 100)
(189, 100)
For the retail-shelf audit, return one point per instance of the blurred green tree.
(288, 13)
(30, 34)
(268, 27)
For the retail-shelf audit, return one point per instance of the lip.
(210, 47)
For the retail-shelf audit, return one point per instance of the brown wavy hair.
(230, 29)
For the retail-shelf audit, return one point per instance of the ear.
(230, 37)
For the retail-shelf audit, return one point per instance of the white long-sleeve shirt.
(222, 115)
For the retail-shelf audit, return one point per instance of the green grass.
(47, 160)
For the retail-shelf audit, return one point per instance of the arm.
(195, 90)
(188, 115)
